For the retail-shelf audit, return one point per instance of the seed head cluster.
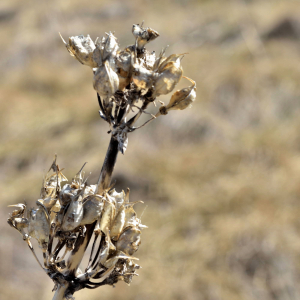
(69, 215)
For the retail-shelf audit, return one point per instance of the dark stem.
(108, 166)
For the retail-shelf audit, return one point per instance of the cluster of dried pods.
(68, 216)
(60, 218)
(131, 78)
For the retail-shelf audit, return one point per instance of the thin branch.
(92, 252)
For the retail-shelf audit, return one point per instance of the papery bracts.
(128, 80)
(60, 218)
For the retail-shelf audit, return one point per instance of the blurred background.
(221, 181)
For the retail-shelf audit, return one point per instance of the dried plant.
(68, 216)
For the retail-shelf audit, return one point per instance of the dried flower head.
(76, 205)
(183, 98)
(122, 77)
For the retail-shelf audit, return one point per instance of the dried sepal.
(39, 225)
(110, 47)
(142, 77)
(108, 215)
(168, 75)
(123, 66)
(81, 47)
(129, 241)
(119, 198)
(118, 223)
(66, 194)
(73, 215)
(183, 98)
(92, 209)
(106, 81)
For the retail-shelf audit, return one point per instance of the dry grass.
(221, 180)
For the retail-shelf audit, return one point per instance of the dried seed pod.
(89, 190)
(39, 225)
(143, 36)
(108, 216)
(167, 78)
(183, 98)
(124, 79)
(73, 215)
(123, 60)
(98, 52)
(142, 77)
(66, 194)
(118, 224)
(81, 48)
(110, 47)
(130, 217)
(123, 65)
(149, 60)
(129, 241)
(118, 198)
(106, 81)
(92, 209)
(48, 202)
(172, 58)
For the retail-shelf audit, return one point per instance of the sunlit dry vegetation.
(221, 180)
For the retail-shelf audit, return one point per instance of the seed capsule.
(106, 81)
(39, 225)
(48, 202)
(92, 209)
(108, 215)
(142, 77)
(110, 47)
(183, 98)
(118, 224)
(118, 198)
(176, 58)
(66, 194)
(129, 241)
(73, 215)
(143, 36)
(81, 48)
(130, 217)
(167, 77)
(123, 65)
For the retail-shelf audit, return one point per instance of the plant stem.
(82, 242)
(108, 166)
(60, 292)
